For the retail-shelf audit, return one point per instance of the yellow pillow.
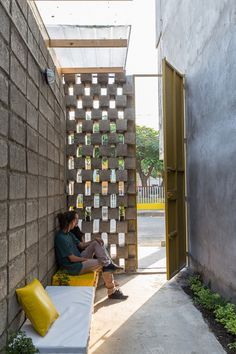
(38, 306)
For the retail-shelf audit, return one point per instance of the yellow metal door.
(174, 168)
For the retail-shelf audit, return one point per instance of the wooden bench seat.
(89, 279)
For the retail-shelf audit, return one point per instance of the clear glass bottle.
(87, 188)
(104, 213)
(96, 176)
(88, 163)
(79, 151)
(121, 188)
(121, 163)
(104, 188)
(96, 201)
(113, 200)
(79, 203)
(79, 176)
(121, 213)
(96, 151)
(104, 163)
(113, 176)
(71, 163)
(88, 214)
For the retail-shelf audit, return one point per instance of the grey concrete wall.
(32, 133)
(198, 38)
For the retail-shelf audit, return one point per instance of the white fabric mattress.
(70, 332)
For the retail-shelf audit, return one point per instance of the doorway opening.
(150, 184)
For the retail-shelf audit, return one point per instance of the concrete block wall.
(203, 48)
(32, 160)
(102, 117)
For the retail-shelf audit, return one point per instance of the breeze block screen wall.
(101, 157)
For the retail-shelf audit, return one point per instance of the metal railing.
(150, 195)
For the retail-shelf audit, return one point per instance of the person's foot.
(111, 268)
(118, 295)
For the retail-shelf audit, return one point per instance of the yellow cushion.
(38, 306)
(88, 279)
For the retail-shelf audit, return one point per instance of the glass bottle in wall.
(88, 163)
(112, 127)
(79, 151)
(104, 188)
(71, 163)
(79, 127)
(104, 115)
(121, 213)
(88, 214)
(79, 176)
(121, 188)
(104, 163)
(121, 163)
(113, 151)
(104, 139)
(96, 201)
(104, 213)
(96, 223)
(88, 139)
(71, 187)
(71, 139)
(79, 203)
(88, 114)
(113, 200)
(121, 138)
(112, 225)
(96, 151)
(72, 114)
(96, 127)
(96, 176)
(113, 176)
(88, 188)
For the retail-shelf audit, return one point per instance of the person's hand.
(99, 240)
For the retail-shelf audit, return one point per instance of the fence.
(150, 195)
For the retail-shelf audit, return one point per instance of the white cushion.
(70, 332)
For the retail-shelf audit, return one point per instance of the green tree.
(147, 153)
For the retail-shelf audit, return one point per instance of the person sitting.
(76, 257)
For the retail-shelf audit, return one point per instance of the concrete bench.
(70, 332)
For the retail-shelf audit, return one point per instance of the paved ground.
(152, 258)
(151, 230)
(157, 318)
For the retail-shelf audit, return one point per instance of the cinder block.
(3, 250)
(31, 257)
(70, 125)
(32, 92)
(121, 175)
(105, 175)
(112, 188)
(122, 252)
(120, 78)
(128, 89)
(78, 89)
(104, 126)
(113, 213)
(16, 214)
(112, 113)
(88, 200)
(131, 214)
(96, 138)
(51, 204)
(87, 102)
(42, 186)
(130, 138)
(79, 163)
(51, 151)
(72, 200)
(4, 185)
(86, 78)
(42, 146)
(42, 126)
(5, 22)
(69, 78)
(16, 243)
(87, 175)
(32, 116)
(3, 217)
(87, 126)
(31, 210)
(121, 226)
(79, 188)
(121, 101)
(42, 227)
(16, 271)
(121, 150)
(87, 226)
(103, 79)
(71, 150)
(111, 89)
(96, 213)
(4, 56)
(104, 226)
(4, 154)
(42, 207)
(105, 150)
(131, 188)
(18, 47)
(122, 200)
(51, 186)
(121, 125)
(80, 138)
(52, 168)
(3, 283)
(113, 239)
(71, 101)
(17, 130)
(4, 121)
(130, 163)
(129, 114)
(17, 100)
(71, 174)
(17, 186)
(3, 316)
(96, 188)
(130, 238)
(104, 101)
(112, 162)
(19, 19)
(4, 88)
(43, 247)
(95, 90)
(17, 157)
(113, 138)
(79, 114)
(96, 163)
(132, 200)
(32, 139)
(31, 234)
(96, 114)
(33, 163)
(104, 200)
(43, 267)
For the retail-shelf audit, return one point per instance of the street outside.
(151, 232)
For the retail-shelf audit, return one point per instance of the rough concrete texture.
(32, 132)
(198, 38)
(157, 318)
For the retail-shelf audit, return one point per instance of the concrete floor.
(152, 258)
(157, 318)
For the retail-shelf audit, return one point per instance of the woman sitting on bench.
(76, 257)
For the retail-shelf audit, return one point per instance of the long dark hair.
(65, 219)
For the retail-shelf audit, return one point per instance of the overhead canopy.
(82, 47)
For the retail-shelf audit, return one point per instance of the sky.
(142, 53)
